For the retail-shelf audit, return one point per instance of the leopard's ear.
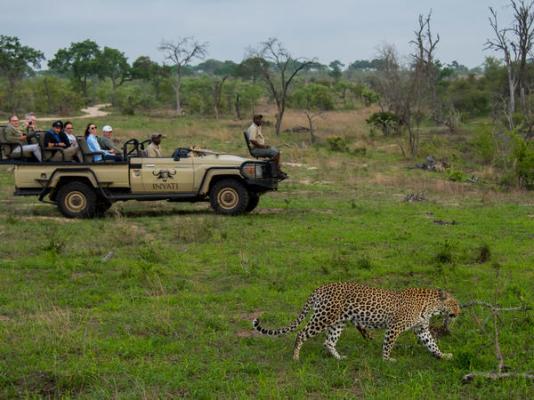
(442, 294)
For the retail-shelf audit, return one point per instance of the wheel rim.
(75, 202)
(228, 198)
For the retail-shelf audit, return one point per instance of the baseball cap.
(57, 124)
(107, 128)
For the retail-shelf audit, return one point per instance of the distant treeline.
(84, 73)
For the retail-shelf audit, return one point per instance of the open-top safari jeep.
(232, 184)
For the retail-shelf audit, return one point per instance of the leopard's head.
(449, 305)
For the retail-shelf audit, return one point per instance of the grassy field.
(156, 299)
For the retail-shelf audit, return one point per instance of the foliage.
(16, 61)
(80, 61)
(312, 96)
(386, 121)
(133, 98)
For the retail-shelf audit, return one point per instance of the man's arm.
(257, 145)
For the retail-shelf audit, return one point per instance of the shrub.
(444, 254)
(337, 143)
(387, 122)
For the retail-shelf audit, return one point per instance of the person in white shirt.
(259, 148)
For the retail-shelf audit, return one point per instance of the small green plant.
(484, 254)
(444, 254)
(456, 175)
(338, 144)
(364, 263)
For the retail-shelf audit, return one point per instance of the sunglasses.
(92, 127)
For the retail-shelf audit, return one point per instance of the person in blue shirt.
(54, 139)
(94, 147)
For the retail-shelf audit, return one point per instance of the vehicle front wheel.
(254, 199)
(229, 197)
(76, 200)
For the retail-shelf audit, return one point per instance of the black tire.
(229, 197)
(254, 199)
(76, 200)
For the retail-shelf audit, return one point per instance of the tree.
(150, 71)
(278, 69)
(16, 61)
(314, 99)
(180, 54)
(336, 70)
(79, 61)
(113, 64)
(515, 49)
(218, 84)
(410, 92)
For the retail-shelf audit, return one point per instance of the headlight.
(252, 170)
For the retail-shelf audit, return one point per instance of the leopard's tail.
(287, 329)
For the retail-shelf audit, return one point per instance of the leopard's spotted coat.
(336, 304)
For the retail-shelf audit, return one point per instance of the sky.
(346, 30)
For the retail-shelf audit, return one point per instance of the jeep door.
(163, 175)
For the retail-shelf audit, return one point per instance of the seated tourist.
(12, 134)
(30, 125)
(94, 147)
(154, 149)
(68, 128)
(106, 142)
(55, 138)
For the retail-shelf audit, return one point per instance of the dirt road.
(90, 112)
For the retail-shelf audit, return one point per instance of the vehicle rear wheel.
(254, 199)
(229, 197)
(76, 200)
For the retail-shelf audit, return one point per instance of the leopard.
(337, 304)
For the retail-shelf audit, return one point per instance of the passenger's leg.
(34, 149)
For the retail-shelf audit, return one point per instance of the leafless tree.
(515, 43)
(278, 69)
(410, 92)
(180, 54)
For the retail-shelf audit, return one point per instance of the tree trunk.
(48, 97)
(238, 106)
(523, 99)
(310, 124)
(511, 86)
(113, 90)
(177, 86)
(279, 117)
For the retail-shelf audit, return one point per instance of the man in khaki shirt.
(259, 148)
(14, 135)
(153, 149)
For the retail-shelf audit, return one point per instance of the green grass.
(169, 314)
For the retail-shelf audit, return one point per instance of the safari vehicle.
(232, 184)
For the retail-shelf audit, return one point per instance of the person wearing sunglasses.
(94, 147)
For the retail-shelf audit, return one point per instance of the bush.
(337, 143)
(484, 144)
(132, 98)
(387, 122)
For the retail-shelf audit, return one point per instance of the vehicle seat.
(249, 146)
(87, 154)
(47, 153)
